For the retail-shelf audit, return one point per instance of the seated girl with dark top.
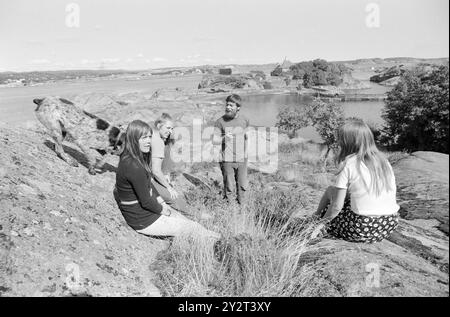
(137, 198)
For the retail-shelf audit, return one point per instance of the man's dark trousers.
(234, 172)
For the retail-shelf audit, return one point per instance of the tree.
(417, 112)
(319, 72)
(292, 119)
(327, 118)
(334, 79)
(277, 71)
(320, 64)
(319, 77)
(307, 80)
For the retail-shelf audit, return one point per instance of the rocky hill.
(61, 233)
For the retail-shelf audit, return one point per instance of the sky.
(145, 34)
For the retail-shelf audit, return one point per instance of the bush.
(292, 119)
(417, 110)
(327, 118)
(308, 81)
(277, 71)
(267, 85)
(318, 72)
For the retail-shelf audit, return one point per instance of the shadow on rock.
(81, 158)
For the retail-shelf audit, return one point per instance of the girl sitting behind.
(162, 164)
(361, 206)
(137, 198)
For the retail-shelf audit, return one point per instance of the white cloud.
(129, 60)
(160, 59)
(140, 55)
(98, 27)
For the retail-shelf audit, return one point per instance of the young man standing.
(230, 132)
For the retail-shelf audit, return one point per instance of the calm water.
(17, 107)
(262, 110)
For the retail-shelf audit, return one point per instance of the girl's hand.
(173, 193)
(166, 210)
(319, 230)
(168, 179)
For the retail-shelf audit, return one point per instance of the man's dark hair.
(235, 99)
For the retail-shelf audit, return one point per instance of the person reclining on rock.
(361, 206)
(141, 206)
(162, 164)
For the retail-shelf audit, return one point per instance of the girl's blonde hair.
(356, 138)
(162, 119)
(135, 130)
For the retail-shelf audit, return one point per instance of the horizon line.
(237, 64)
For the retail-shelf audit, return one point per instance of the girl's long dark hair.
(135, 130)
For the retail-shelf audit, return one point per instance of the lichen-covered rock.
(381, 269)
(423, 189)
(61, 233)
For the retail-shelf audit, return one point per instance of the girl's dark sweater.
(133, 182)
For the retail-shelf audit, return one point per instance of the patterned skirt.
(356, 228)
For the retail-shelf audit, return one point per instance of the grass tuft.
(258, 255)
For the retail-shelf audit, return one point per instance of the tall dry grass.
(259, 253)
(306, 152)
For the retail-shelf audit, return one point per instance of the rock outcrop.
(61, 233)
(224, 83)
(423, 185)
(394, 71)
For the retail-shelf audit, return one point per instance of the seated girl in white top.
(361, 206)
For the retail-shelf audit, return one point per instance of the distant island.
(317, 72)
